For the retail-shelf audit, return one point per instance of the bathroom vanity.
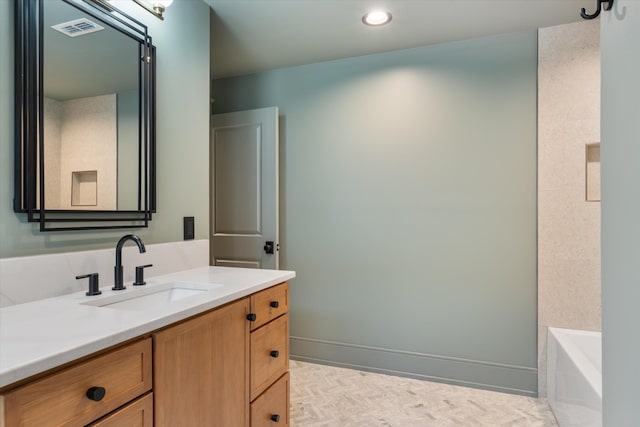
(213, 352)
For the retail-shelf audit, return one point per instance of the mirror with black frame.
(85, 140)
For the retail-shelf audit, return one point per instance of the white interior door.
(244, 183)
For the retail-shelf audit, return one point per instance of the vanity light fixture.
(376, 18)
(155, 7)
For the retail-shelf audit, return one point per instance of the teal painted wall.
(408, 208)
(620, 38)
(182, 42)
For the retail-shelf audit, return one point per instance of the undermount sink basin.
(153, 297)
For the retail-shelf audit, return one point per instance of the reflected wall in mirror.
(87, 143)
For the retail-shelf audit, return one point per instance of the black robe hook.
(607, 6)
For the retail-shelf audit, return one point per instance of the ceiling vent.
(77, 27)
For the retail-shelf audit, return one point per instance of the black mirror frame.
(29, 140)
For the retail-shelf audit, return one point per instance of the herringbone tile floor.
(325, 396)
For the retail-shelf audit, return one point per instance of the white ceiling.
(255, 35)
(108, 56)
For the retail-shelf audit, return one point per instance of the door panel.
(244, 188)
(237, 195)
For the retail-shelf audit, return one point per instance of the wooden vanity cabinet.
(227, 367)
(220, 369)
(201, 375)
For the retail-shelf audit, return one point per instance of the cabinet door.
(269, 354)
(136, 414)
(201, 370)
(269, 304)
(271, 409)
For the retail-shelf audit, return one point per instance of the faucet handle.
(140, 275)
(93, 283)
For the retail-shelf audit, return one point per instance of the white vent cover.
(77, 27)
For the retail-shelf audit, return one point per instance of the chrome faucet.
(118, 284)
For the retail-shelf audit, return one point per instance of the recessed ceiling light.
(376, 18)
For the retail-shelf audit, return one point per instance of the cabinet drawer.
(136, 414)
(60, 399)
(272, 407)
(269, 304)
(269, 354)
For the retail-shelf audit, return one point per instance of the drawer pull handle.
(275, 418)
(251, 317)
(274, 304)
(96, 393)
(274, 353)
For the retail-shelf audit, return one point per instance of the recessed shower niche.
(84, 188)
(592, 168)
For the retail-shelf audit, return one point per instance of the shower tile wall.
(568, 225)
(82, 132)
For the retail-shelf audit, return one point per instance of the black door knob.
(269, 248)
(275, 418)
(96, 393)
(251, 317)
(274, 304)
(274, 353)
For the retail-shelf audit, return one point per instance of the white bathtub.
(574, 377)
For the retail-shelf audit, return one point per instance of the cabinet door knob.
(96, 393)
(274, 353)
(275, 418)
(251, 317)
(274, 304)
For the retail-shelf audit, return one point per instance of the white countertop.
(40, 335)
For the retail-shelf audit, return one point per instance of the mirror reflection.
(91, 112)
